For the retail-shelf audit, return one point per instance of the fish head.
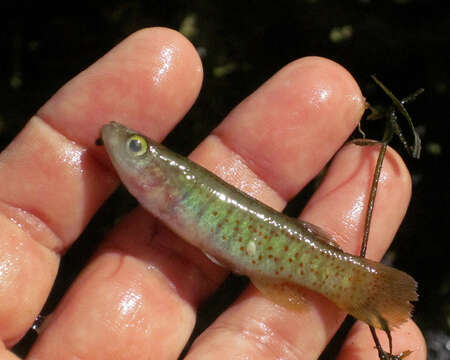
(136, 158)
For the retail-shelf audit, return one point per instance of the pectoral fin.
(214, 260)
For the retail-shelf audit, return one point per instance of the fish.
(281, 255)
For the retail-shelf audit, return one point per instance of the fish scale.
(280, 254)
(258, 244)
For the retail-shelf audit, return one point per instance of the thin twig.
(373, 194)
(392, 127)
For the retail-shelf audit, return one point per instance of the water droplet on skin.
(356, 99)
(234, 171)
(37, 324)
(129, 303)
(352, 218)
(6, 266)
(319, 96)
(166, 60)
(71, 154)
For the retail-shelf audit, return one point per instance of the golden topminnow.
(277, 252)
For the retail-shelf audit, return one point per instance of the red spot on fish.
(275, 259)
(270, 256)
(269, 248)
(286, 248)
(241, 248)
(215, 213)
(300, 265)
(290, 260)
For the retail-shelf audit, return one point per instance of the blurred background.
(242, 43)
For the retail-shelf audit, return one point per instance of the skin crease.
(137, 298)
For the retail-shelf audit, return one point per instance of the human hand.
(138, 296)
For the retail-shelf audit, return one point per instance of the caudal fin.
(388, 303)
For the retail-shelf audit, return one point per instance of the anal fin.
(286, 294)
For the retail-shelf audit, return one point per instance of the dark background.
(406, 43)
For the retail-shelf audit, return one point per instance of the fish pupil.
(135, 145)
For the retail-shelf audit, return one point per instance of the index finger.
(53, 177)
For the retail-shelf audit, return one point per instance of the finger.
(305, 113)
(256, 327)
(359, 343)
(52, 178)
(166, 277)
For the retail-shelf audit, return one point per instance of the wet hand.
(137, 298)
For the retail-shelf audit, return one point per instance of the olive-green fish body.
(277, 252)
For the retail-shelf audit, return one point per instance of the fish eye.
(137, 145)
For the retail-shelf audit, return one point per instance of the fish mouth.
(111, 130)
(106, 131)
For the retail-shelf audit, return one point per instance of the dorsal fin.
(320, 234)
